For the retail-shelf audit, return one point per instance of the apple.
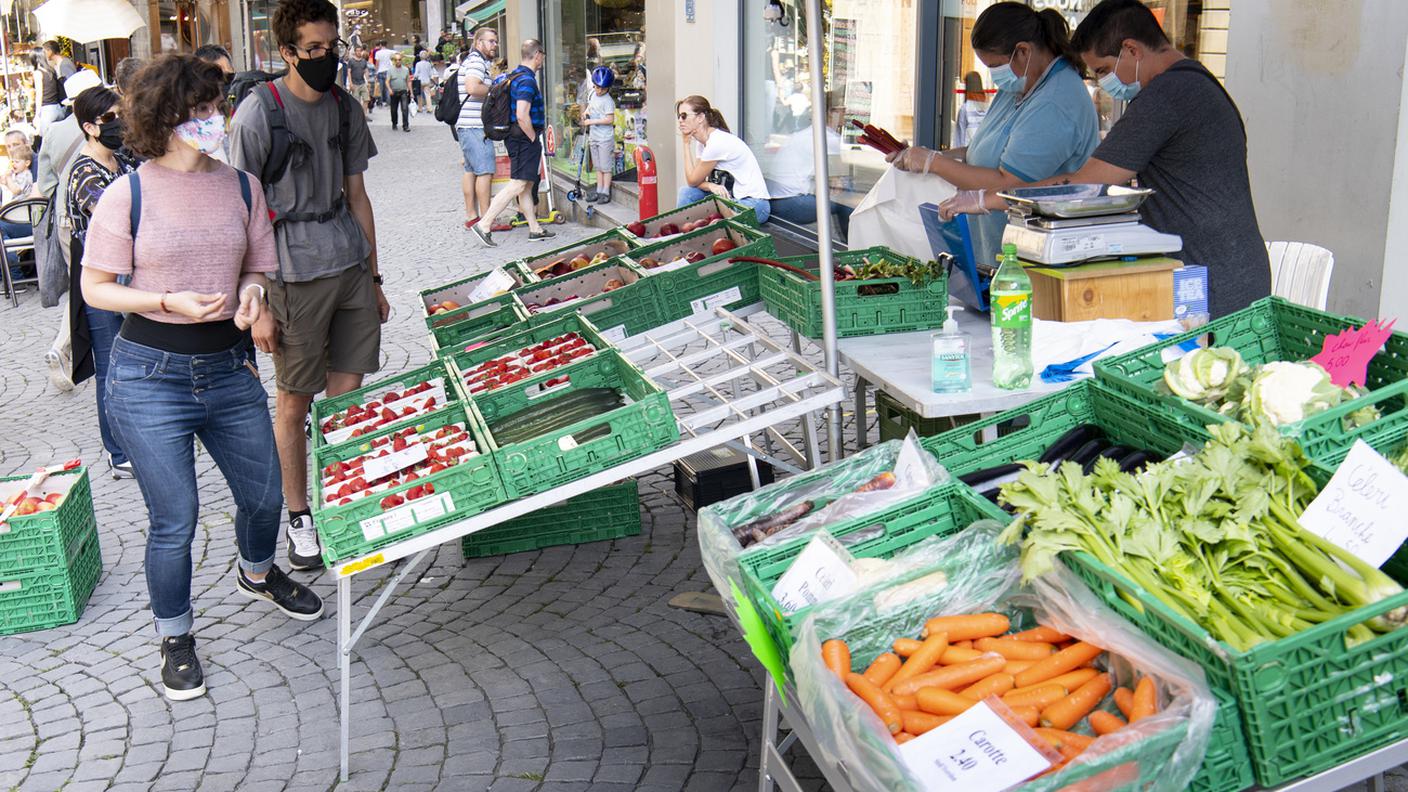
(27, 506)
(45, 506)
(648, 262)
(55, 498)
(613, 285)
(637, 229)
(694, 256)
(723, 245)
(715, 217)
(669, 229)
(450, 305)
(600, 257)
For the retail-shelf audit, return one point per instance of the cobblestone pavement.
(557, 670)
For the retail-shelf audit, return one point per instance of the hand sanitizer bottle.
(951, 372)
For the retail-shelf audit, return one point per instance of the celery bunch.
(1214, 536)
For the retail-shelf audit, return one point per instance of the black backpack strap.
(344, 123)
(135, 216)
(246, 192)
(277, 162)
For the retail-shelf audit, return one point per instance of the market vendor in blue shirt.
(1041, 124)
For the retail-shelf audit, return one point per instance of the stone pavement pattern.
(556, 670)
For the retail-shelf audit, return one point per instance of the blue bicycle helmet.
(603, 77)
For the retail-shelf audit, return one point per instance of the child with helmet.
(600, 122)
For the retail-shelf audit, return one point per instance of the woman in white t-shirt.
(710, 149)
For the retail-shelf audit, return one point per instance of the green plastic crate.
(627, 311)
(461, 491)
(694, 212)
(895, 420)
(41, 540)
(486, 320)
(1308, 702)
(50, 596)
(939, 511)
(463, 362)
(608, 513)
(645, 424)
(713, 281)
(1275, 329)
(1125, 421)
(863, 307)
(460, 290)
(326, 408)
(1227, 767)
(613, 243)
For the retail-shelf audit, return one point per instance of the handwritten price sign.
(1346, 355)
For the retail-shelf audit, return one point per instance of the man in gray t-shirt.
(323, 328)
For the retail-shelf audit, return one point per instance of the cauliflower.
(1205, 375)
(1282, 392)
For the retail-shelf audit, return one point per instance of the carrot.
(995, 685)
(922, 660)
(904, 647)
(963, 628)
(1039, 696)
(959, 654)
(1014, 649)
(879, 700)
(1146, 700)
(882, 668)
(903, 737)
(1061, 737)
(1028, 715)
(965, 644)
(837, 657)
(1044, 634)
(943, 702)
(1015, 667)
(1069, 751)
(905, 702)
(918, 722)
(1074, 679)
(1124, 699)
(1105, 722)
(1065, 660)
(1068, 711)
(950, 677)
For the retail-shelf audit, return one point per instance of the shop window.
(581, 35)
(868, 64)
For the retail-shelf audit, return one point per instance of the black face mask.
(110, 134)
(319, 73)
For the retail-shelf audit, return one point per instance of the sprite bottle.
(1011, 294)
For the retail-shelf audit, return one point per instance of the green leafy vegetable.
(1214, 536)
(1278, 392)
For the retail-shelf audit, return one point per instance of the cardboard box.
(1141, 290)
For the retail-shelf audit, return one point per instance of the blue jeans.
(158, 402)
(8, 231)
(761, 208)
(478, 151)
(383, 95)
(801, 209)
(102, 330)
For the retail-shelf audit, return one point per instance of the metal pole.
(344, 663)
(823, 221)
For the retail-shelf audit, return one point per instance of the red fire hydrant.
(648, 181)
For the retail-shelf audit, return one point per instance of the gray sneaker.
(60, 364)
(486, 238)
(121, 470)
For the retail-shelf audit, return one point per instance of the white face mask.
(205, 135)
(1118, 89)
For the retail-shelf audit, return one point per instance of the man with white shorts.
(477, 182)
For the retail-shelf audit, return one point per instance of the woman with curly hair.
(180, 366)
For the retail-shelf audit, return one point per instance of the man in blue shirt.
(525, 148)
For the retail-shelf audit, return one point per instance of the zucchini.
(556, 414)
(1067, 444)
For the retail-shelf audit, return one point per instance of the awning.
(479, 11)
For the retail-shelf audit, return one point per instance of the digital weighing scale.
(1077, 223)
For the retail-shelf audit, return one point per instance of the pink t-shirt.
(195, 234)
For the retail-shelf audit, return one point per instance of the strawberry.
(392, 501)
(387, 414)
(390, 396)
(427, 488)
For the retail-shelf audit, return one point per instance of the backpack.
(282, 140)
(499, 113)
(450, 103)
(134, 217)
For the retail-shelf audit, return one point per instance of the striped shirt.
(476, 66)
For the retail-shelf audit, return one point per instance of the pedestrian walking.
(422, 79)
(398, 80)
(357, 77)
(180, 367)
(383, 56)
(326, 304)
(525, 147)
(478, 180)
(600, 121)
(93, 328)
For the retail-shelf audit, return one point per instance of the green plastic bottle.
(1011, 307)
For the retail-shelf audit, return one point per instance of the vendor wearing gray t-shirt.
(1183, 137)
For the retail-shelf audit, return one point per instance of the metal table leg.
(861, 430)
(770, 723)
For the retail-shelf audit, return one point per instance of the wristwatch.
(376, 279)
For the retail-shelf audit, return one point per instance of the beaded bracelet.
(163, 302)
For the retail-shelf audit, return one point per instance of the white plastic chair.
(1300, 272)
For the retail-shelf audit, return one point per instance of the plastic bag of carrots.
(875, 479)
(1121, 711)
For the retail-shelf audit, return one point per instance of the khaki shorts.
(328, 324)
(362, 93)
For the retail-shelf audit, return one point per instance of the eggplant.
(1067, 444)
(981, 479)
(1113, 452)
(1088, 452)
(1137, 459)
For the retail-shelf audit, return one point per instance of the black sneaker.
(180, 668)
(543, 234)
(294, 599)
(487, 239)
(304, 552)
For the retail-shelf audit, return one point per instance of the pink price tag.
(1346, 355)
